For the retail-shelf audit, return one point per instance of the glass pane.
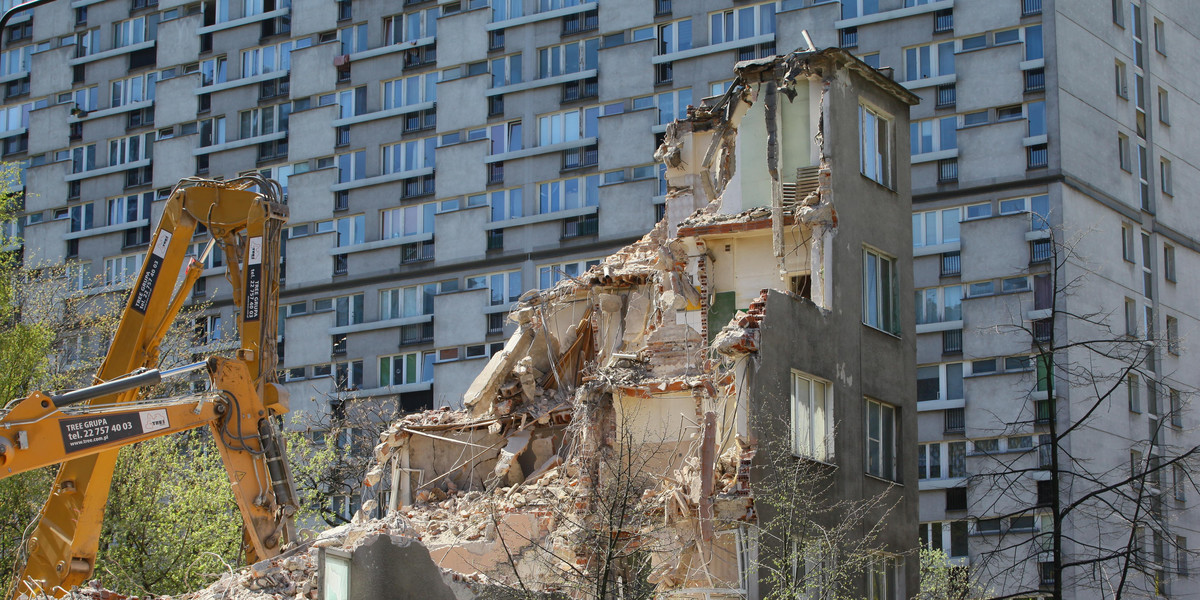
(950, 218)
(954, 381)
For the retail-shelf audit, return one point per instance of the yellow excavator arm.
(83, 429)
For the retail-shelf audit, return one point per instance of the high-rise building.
(468, 152)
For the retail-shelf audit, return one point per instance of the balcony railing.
(495, 239)
(662, 7)
(1035, 80)
(1043, 329)
(849, 37)
(496, 172)
(419, 252)
(1037, 157)
(1040, 251)
(580, 157)
(578, 90)
(948, 170)
(951, 263)
(1031, 7)
(581, 226)
(578, 23)
(416, 334)
(955, 420)
(759, 51)
(947, 95)
(1043, 411)
(952, 341)
(419, 186)
(943, 21)
(495, 323)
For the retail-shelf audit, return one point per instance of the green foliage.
(171, 524)
(944, 580)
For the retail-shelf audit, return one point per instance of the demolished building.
(619, 445)
(617, 439)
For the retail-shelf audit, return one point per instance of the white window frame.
(121, 270)
(412, 219)
(729, 25)
(941, 298)
(672, 105)
(398, 29)
(879, 441)
(407, 91)
(507, 70)
(351, 166)
(927, 61)
(349, 231)
(264, 120)
(934, 130)
(568, 194)
(568, 126)
(409, 155)
(884, 577)
(119, 208)
(812, 417)
(936, 220)
(134, 31)
(352, 306)
(875, 155)
(555, 273)
(553, 60)
(132, 89)
(130, 149)
(503, 287)
(409, 374)
(504, 204)
(671, 39)
(879, 287)
(944, 376)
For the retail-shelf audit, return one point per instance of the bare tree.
(1070, 511)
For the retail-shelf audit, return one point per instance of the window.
(676, 36)
(1176, 401)
(409, 155)
(411, 90)
(1160, 37)
(82, 217)
(135, 31)
(933, 135)
(263, 121)
(505, 137)
(881, 439)
(128, 91)
(883, 573)
(401, 369)
(940, 382)
(128, 209)
(121, 270)
(812, 417)
(268, 59)
(881, 306)
(741, 23)
(212, 132)
(350, 230)
(1121, 79)
(1123, 153)
(1133, 391)
(213, 71)
(506, 9)
(130, 149)
(568, 58)
(548, 275)
(568, 126)
(1044, 372)
(348, 310)
(991, 446)
(505, 204)
(502, 287)
(568, 194)
(875, 143)
(1033, 42)
(932, 60)
(411, 301)
(506, 70)
(1173, 335)
(673, 105)
(410, 27)
(932, 228)
(1127, 247)
(1131, 317)
(413, 219)
(352, 166)
(950, 537)
(207, 330)
(938, 305)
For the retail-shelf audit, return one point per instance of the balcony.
(947, 96)
(756, 51)
(581, 226)
(1035, 80)
(495, 173)
(952, 341)
(418, 333)
(1043, 411)
(576, 158)
(415, 253)
(948, 170)
(495, 323)
(943, 21)
(955, 420)
(581, 22)
(1030, 8)
(1037, 156)
(848, 37)
(662, 8)
(495, 240)
(951, 264)
(1043, 330)
(578, 90)
(1040, 251)
(419, 186)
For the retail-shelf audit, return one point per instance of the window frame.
(876, 313)
(817, 441)
(881, 440)
(879, 167)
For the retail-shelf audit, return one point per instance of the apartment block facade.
(442, 158)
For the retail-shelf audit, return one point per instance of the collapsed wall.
(609, 438)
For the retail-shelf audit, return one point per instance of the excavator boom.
(82, 430)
